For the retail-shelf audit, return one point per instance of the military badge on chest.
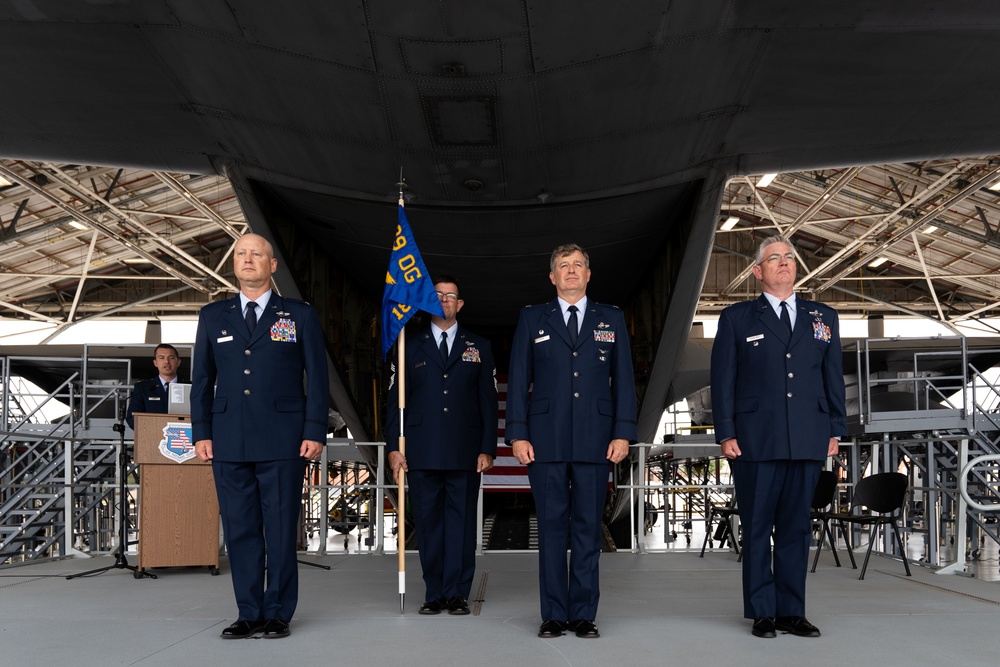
(283, 331)
(604, 334)
(471, 353)
(820, 330)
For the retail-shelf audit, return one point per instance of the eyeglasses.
(771, 259)
(450, 296)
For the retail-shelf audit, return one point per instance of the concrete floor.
(656, 609)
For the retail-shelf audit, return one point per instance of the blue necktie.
(785, 318)
(251, 317)
(573, 325)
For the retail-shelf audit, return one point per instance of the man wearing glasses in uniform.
(451, 439)
(778, 406)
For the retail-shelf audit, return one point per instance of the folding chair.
(883, 494)
(826, 487)
(724, 514)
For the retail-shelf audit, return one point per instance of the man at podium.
(151, 395)
(258, 427)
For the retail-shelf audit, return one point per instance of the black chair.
(826, 488)
(883, 494)
(724, 531)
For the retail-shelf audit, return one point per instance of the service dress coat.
(580, 398)
(781, 397)
(147, 396)
(260, 409)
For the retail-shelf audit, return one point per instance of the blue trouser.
(569, 494)
(260, 504)
(443, 503)
(773, 498)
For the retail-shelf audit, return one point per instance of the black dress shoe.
(458, 606)
(550, 629)
(585, 629)
(274, 629)
(433, 607)
(797, 625)
(763, 627)
(242, 630)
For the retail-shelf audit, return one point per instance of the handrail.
(963, 483)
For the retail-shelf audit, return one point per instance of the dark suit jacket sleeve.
(488, 407)
(833, 381)
(623, 387)
(317, 379)
(519, 380)
(203, 373)
(723, 378)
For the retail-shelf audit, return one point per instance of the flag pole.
(401, 512)
(401, 495)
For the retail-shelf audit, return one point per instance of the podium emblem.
(176, 444)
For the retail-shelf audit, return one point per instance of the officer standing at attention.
(265, 358)
(572, 355)
(778, 407)
(151, 395)
(451, 438)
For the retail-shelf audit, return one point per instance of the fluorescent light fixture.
(136, 260)
(877, 262)
(75, 224)
(4, 182)
(930, 229)
(765, 180)
(994, 187)
(730, 222)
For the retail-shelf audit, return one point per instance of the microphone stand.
(121, 562)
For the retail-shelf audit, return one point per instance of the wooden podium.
(178, 508)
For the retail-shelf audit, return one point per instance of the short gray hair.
(769, 241)
(564, 251)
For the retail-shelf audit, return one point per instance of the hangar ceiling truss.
(82, 242)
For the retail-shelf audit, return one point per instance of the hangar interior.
(916, 240)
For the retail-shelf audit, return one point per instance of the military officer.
(265, 358)
(571, 409)
(778, 406)
(451, 438)
(151, 395)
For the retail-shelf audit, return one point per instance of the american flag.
(507, 474)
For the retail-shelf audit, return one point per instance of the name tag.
(750, 339)
(224, 339)
(152, 398)
(542, 339)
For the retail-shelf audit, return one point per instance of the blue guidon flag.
(176, 444)
(408, 287)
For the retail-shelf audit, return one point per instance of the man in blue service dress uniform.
(258, 428)
(571, 408)
(778, 406)
(151, 395)
(451, 438)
